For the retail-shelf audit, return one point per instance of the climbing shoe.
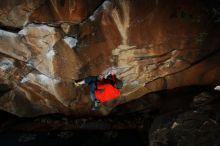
(96, 105)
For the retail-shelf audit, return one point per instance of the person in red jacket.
(102, 89)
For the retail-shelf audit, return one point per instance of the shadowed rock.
(152, 45)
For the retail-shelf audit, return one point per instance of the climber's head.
(118, 84)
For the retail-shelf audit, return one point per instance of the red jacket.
(106, 92)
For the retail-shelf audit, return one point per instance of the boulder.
(151, 45)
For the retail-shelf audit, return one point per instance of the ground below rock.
(197, 126)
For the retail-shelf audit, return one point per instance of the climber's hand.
(100, 77)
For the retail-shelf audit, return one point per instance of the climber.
(103, 88)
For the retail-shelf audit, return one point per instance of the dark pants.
(92, 82)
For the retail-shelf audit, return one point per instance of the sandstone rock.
(65, 27)
(70, 41)
(40, 78)
(42, 40)
(152, 45)
(7, 67)
(16, 13)
(73, 11)
(217, 88)
(11, 44)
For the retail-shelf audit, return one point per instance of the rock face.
(73, 11)
(16, 13)
(153, 45)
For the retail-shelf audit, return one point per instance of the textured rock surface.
(153, 45)
(73, 11)
(198, 125)
(16, 13)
